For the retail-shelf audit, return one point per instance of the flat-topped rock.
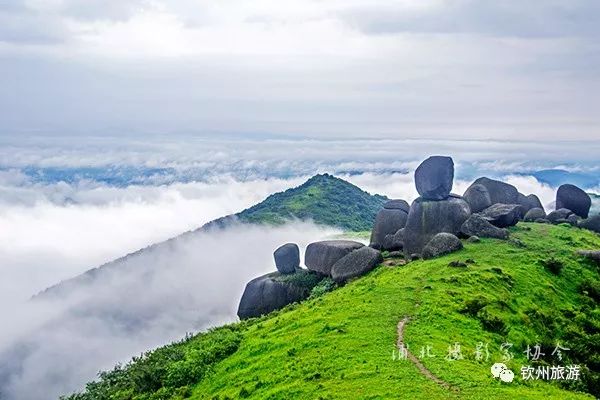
(320, 256)
(287, 258)
(356, 263)
(434, 177)
(573, 198)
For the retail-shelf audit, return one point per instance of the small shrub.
(553, 265)
(326, 285)
(473, 306)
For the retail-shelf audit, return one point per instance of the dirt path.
(416, 361)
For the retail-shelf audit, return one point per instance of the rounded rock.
(573, 198)
(434, 177)
(287, 258)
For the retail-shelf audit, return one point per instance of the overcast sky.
(339, 68)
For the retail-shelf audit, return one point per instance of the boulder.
(503, 215)
(266, 293)
(500, 192)
(387, 222)
(440, 244)
(397, 204)
(287, 258)
(593, 255)
(433, 178)
(320, 256)
(560, 214)
(474, 239)
(478, 198)
(533, 214)
(427, 218)
(591, 223)
(477, 225)
(573, 198)
(356, 263)
(394, 242)
(574, 219)
(542, 221)
(529, 202)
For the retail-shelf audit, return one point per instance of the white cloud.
(186, 285)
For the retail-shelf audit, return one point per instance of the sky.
(451, 69)
(124, 123)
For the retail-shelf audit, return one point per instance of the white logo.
(500, 370)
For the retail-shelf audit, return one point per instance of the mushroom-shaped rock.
(433, 178)
(503, 215)
(591, 223)
(440, 244)
(500, 192)
(387, 222)
(287, 258)
(573, 198)
(534, 214)
(558, 216)
(478, 198)
(429, 217)
(356, 263)
(397, 204)
(320, 256)
(267, 293)
(477, 225)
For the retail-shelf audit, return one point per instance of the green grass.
(339, 345)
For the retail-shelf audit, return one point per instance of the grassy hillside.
(531, 289)
(325, 199)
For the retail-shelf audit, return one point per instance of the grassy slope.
(339, 346)
(323, 198)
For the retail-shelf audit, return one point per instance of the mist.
(62, 339)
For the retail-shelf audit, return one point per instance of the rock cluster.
(430, 227)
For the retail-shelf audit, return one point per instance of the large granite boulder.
(356, 263)
(267, 293)
(478, 198)
(591, 223)
(320, 256)
(500, 192)
(477, 225)
(429, 217)
(503, 215)
(387, 222)
(434, 177)
(558, 216)
(534, 214)
(287, 258)
(529, 202)
(573, 198)
(397, 204)
(440, 244)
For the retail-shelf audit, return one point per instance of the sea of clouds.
(68, 205)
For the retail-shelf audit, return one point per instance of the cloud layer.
(403, 69)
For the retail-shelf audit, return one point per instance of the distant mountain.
(557, 177)
(324, 199)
